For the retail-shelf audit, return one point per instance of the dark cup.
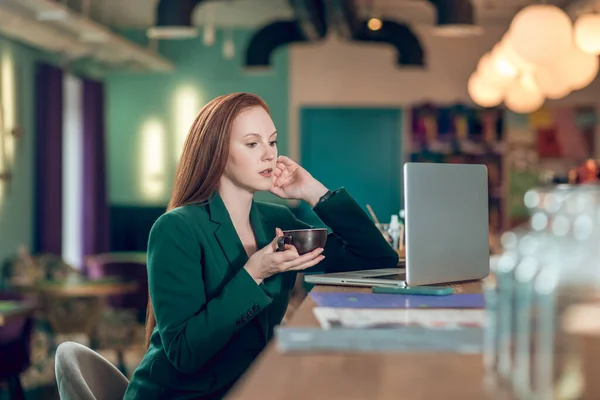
(304, 240)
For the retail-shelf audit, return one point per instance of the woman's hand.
(268, 261)
(294, 182)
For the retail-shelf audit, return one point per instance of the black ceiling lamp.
(455, 18)
(174, 20)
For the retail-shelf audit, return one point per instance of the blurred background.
(97, 96)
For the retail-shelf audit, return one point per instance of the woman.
(217, 285)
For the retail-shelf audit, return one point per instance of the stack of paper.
(330, 317)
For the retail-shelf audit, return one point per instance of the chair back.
(129, 267)
(83, 374)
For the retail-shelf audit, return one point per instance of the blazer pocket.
(165, 374)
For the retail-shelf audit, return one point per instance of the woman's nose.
(269, 154)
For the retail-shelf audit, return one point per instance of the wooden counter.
(364, 376)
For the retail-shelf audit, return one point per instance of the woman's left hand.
(291, 181)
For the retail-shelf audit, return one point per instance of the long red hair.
(203, 159)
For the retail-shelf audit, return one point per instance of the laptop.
(446, 230)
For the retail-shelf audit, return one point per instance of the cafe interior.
(98, 96)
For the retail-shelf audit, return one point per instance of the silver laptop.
(446, 228)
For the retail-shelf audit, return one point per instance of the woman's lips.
(267, 173)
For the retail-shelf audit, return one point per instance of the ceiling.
(227, 13)
(254, 13)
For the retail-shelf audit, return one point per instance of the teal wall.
(369, 160)
(133, 99)
(17, 205)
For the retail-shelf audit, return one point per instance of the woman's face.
(252, 150)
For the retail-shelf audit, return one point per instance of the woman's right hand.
(268, 261)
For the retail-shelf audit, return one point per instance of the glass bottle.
(567, 280)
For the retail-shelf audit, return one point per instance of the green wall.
(17, 204)
(133, 99)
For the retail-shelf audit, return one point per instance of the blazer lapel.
(233, 248)
(264, 233)
(226, 234)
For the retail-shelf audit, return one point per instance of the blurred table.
(373, 376)
(91, 288)
(75, 306)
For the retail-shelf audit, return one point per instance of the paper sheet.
(407, 339)
(330, 317)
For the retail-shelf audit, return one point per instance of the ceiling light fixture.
(374, 24)
(52, 15)
(172, 32)
(93, 37)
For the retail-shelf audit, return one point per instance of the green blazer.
(213, 320)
